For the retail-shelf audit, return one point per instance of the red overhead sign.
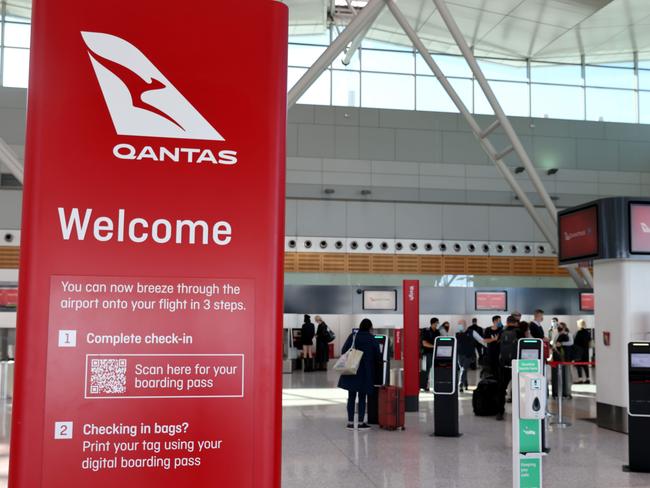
(640, 228)
(152, 244)
(578, 234)
(491, 300)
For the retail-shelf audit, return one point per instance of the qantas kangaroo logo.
(140, 100)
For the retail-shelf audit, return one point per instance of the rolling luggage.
(485, 399)
(391, 408)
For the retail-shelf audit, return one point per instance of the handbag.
(329, 335)
(348, 363)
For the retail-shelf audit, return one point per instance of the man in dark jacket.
(466, 352)
(428, 341)
(362, 384)
(536, 328)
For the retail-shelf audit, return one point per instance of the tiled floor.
(320, 452)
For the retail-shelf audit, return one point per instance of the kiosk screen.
(444, 351)
(640, 360)
(529, 354)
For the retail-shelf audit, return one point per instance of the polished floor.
(319, 452)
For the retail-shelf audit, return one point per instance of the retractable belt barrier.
(560, 422)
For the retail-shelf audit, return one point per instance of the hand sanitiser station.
(534, 349)
(445, 388)
(528, 413)
(639, 406)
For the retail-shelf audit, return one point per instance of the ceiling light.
(329, 191)
(366, 192)
(552, 171)
(519, 170)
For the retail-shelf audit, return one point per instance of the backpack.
(508, 342)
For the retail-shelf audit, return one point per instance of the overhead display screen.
(587, 302)
(8, 298)
(639, 228)
(579, 235)
(491, 300)
(380, 300)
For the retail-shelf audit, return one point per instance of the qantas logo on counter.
(645, 228)
(141, 101)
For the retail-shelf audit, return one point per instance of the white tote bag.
(348, 363)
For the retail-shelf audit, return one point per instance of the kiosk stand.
(639, 406)
(445, 388)
(529, 392)
(534, 349)
(382, 379)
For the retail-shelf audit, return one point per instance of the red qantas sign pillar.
(411, 297)
(150, 304)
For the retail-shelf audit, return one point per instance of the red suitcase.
(391, 408)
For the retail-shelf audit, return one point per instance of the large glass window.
(381, 90)
(385, 75)
(513, 97)
(432, 97)
(557, 102)
(611, 105)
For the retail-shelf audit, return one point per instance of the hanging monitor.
(639, 228)
(578, 235)
(380, 300)
(495, 301)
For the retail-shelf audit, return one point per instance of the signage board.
(380, 300)
(491, 301)
(152, 247)
(578, 234)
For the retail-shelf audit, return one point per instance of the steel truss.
(354, 33)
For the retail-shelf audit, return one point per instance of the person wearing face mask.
(445, 329)
(491, 339)
(466, 352)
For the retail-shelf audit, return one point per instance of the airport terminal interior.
(466, 242)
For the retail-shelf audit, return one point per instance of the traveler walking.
(508, 351)
(562, 352)
(466, 352)
(361, 385)
(428, 341)
(322, 344)
(479, 349)
(308, 331)
(536, 327)
(581, 347)
(491, 339)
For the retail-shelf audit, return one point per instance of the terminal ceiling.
(549, 30)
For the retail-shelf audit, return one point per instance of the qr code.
(107, 376)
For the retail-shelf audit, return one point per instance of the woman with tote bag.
(362, 383)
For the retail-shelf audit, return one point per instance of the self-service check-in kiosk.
(529, 394)
(381, 379)
(533, 349)
(639, 406)
(445, 387)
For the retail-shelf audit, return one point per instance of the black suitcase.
(485, 399)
